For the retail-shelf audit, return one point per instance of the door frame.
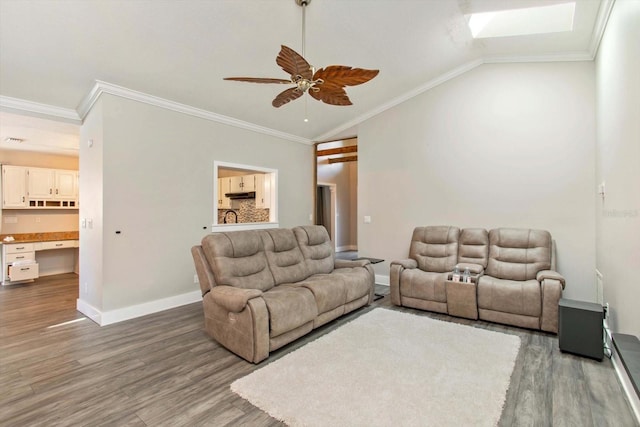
(333, 188)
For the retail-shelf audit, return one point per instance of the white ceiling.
(53, 51)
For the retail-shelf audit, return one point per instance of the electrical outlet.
(195, 278)
(86, 287)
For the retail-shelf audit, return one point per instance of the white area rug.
(388, 368)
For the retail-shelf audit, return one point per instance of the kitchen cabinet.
(66, 184)
(19, 262)
(14, 187)
(224, 187)
(242, 184)
(51, 184)
(40, 183)
(30, 187)
(263, 191)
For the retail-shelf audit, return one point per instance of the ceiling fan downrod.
(303, 4)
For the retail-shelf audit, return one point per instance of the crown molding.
(402, 98)
(562, 57)
(601, 23)
(101, 87)
(38, 108)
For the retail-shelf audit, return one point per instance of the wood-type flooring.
(163, 370)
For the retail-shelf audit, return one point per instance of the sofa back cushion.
(316, 248)
(237, 259)
(474, 246)
(518, 254)
(284, 256)
(435, 248)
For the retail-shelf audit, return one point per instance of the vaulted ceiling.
(53, 51)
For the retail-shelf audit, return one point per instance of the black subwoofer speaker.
(580, 328)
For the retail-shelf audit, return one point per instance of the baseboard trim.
(346, 248)
(54, 272)
(621, 372)
(382, 280)
(138, 310)
(88, 310)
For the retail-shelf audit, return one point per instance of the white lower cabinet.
(17, 273)
(19, 262)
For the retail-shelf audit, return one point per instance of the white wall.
(618, 151)
(504, 145)
(91, 186)
(157, 190)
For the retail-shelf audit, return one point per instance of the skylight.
(517, 22)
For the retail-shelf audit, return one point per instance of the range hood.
(237, 196)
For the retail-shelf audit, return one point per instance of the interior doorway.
(336, 192)
(326, 208)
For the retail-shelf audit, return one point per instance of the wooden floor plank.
(162, 369)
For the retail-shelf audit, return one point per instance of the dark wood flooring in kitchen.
(162, 369)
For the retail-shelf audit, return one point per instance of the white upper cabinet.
(29, 187)
(242, 184)
(40, 183)
(223, 188)
(66, 184)
(14, 187)
(263, 191)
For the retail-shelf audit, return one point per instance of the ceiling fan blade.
(258, 80)
(342, 75)
(287, 96)
(293, 63)
(333, 95)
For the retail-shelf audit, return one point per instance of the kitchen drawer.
(20, 257)
(17, 248)
(23, 272)
(59, 244)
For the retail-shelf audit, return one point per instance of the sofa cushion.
(357, 282)
(435, 248)
(328, 290)
(423, 285)
(316, 248)
(521, 297)
(289, 308)
(518, 254)
(284, 257)
(237, 259)
(474, 247)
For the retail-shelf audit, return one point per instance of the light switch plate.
(367, 219)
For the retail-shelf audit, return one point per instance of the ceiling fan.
(326, 84)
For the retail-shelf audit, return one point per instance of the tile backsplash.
(247, 212)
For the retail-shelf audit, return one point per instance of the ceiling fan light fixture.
(326, 84)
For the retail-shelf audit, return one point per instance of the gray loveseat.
(514, 277)
(263, 289)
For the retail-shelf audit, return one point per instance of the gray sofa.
(264, 289)
(514, 277)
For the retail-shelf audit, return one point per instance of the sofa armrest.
(475, 269)
(406, 263)
(233, 299)
(551, 290)
(344, 263)
(395, 276)
(550, 274)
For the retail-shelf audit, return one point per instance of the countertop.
(41, 237)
